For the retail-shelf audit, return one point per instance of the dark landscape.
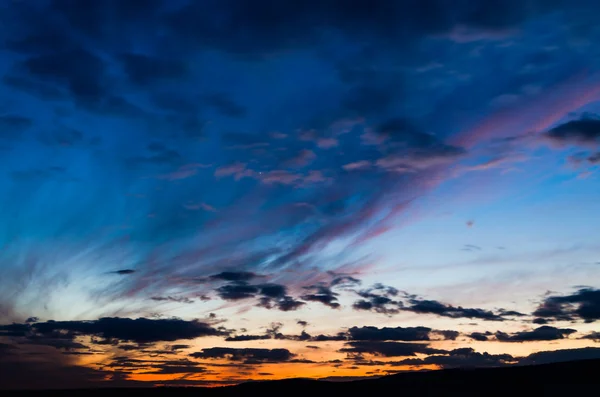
(557, 379)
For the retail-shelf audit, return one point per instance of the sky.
(208, 192)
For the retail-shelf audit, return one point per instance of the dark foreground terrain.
(573, 378)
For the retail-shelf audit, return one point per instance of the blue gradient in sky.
(418, 157)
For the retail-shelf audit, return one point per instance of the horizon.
(204, 193)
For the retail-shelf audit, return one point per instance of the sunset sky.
(208, 192)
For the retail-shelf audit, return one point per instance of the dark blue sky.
(221, 169)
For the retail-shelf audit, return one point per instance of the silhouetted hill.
(558, 379)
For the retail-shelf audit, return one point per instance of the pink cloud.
(344, 126)
(358, 165)
(197, 206)
(278, 135)
(308, 135)
(370, 138)
(304, 158)
(316, 177)
(463, 34)
(183, 172)
(238, 170)
(327, 143)
(416, 160)
(534, 114)
(279, 177)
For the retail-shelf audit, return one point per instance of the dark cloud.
(302, 323)
(444, 310)
(156, 367)
(234, 276)
(540, 321)
(57, 343)
(546, 357)
(183, 368)
(124, 272)
(15, 329)
(480, 336)
(321, 293)
(237, 291)
(171, 299)
(261, 27)
(80, 71)
(544, 332)
(380, 299)
(245, 338)
(462, 358)
(344, 281)
(594, 158)
(388, 349)
(585, 131)
(140, 330)
(386, 333)
(272, 290)
(595, 336)
(270, 295)
(287, 303)
(247, 356)
(447, 334)
(581, 305)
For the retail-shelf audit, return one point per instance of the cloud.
(444, 310)
(15, 329)
(171, 299)
(237, 291)
(245, 338)
(581, 305)
(388, 349)
(234, 276)
(379, 299)
(270, 295)
(246, 356)
(546, 357)
(140, 330)
(582, 132)
(393, 334)
(321, 293)
(299, 26)
(123, 272)
(447, 334)
(407, 149)
(461, 358)
(480, 336)
(595, 336)
(542, 333)
(287, 303)
(302, 159)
